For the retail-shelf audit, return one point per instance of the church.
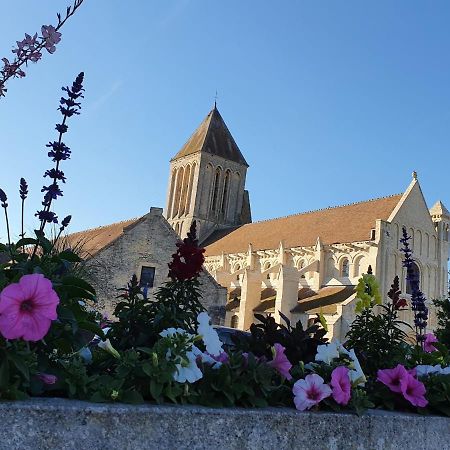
(298, 265)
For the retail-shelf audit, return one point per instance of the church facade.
(306, 263)
(298, 265)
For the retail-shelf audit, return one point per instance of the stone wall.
(150, 242)
(72, 425)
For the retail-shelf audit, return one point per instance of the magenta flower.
(392, 377)
(341, 386)
(414, 390)
(27, 308)
(47, 378)
(280, 362)
(428, 346)
(310, 391)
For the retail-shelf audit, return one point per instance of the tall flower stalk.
(417, 298)
(30, 49)
(23, 192)
(4, 205)
(69, 106)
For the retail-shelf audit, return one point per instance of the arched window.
(238, 276)
(446, 232)
(415, 274)
(345, 268)
(358, 266)
(226, 191)
(266, 267)
(234, 321)
(176, 202)
(184, 190)
(215, 189)
(172, 189)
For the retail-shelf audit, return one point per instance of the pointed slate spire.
(212, 136)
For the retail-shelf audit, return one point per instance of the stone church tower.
(207, 181)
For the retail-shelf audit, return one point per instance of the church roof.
(439, 209)
(213, 136)
(349, 223)
(89, 242)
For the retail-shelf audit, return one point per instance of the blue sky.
(330, 102)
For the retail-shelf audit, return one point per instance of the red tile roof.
(92, 241)
(349, 223)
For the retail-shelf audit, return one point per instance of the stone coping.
(70, 424)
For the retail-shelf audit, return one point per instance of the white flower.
(326, 353)
(188, 370)
(106, 345)
(86, 355)
(209, 335)
(206, 358)
(423, 369)
(169, 332)
(356, 375)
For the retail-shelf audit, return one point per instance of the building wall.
(149, 243)
(288, 270)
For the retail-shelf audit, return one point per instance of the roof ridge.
(134, 219)
(324, 209)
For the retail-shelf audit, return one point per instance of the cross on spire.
(215, 100)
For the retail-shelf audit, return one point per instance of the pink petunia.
(310, 391)
(280, 362)
(428, 346)
(27, 308)
(47, 378)
(392, 377)
(413, 390)
(341, 386)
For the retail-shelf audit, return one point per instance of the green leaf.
(155, 389)
(20, 365)
(4, 373)
(26, 241)
(69, 256)
(133, 397)
(78, 288)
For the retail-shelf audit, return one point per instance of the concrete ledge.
(66, 424)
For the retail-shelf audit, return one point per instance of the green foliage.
(367, 292)
(140, 320)
(443, 320)
(376, 334)
(300, 344)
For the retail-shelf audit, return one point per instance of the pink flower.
(340, 383)
(280, 362)
(392, 377)
(414, 390)
(47, 378)
(27, 308)
(403, 381)
(51, 37)
(428, 343)
(310, 391)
